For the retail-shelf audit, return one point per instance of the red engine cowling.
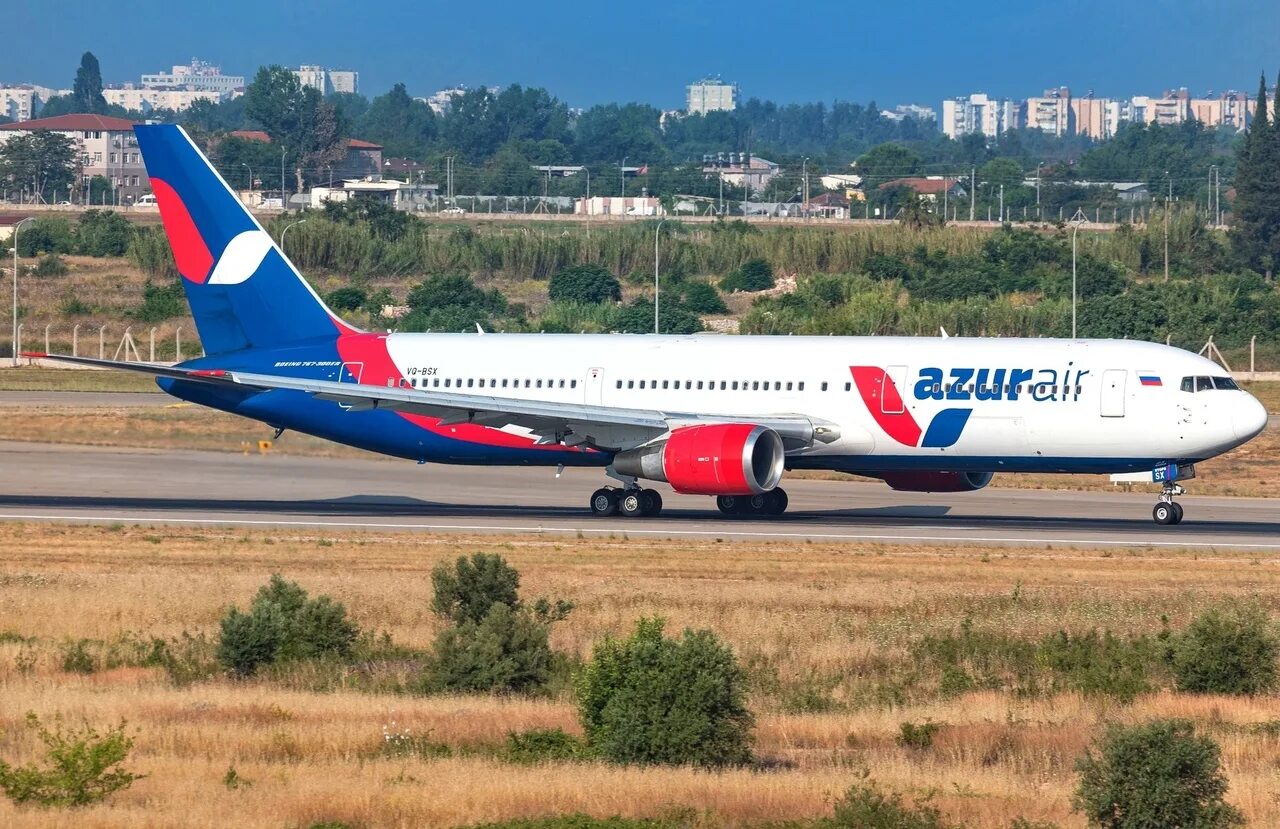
(936, 481)
(716, 459)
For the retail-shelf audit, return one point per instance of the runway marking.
(632, 530)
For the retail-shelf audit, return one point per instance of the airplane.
(721, 416)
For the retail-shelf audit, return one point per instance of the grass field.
(839, 617)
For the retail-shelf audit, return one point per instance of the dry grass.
(810, 610)
(34, 378)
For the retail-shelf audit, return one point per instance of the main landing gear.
(1168, 511)
(631, 502)
(771, 503)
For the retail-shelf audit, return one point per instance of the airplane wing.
(572, 424)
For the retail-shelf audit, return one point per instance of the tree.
(650, 700)
(284, 624)
(466, 591)
(40, 162)
(586, 284)
(451, 302)
(1255, 234)
(404, 126)
(887, 162)
(1155, 774)
(299, 121)
(1225, 652)
(87, 92)
(103, 233)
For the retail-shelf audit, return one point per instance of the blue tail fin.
(242, 291)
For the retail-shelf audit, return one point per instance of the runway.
(64, 483)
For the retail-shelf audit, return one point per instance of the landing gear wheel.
(730, 504)
(1164, 513)
(1177, 512)
(651, 503)
(604, 502)
(776, 501)
(631, 503)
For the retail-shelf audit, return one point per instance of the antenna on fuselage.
(944, 333)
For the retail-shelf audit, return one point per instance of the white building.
(312, 76)
(149, 100)
(711, 95)
(619, 206)
(198, 75)
(344, 80)
(441, 101)
(978, 113)
(22, 102)
(903, 111)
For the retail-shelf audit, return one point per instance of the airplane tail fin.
(242, 290)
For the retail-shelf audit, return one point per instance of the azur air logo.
(885, 402)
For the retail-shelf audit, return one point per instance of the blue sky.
(601, 51)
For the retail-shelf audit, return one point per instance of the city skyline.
(890, 55)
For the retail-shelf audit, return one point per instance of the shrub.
(466, 591)
(50, 265)
(864, 806)
(753, 275)
(653, 700)
(1155, 774)
(161, 302)
(76, 658)
(83, 767)
(1099, 664)
(585, 284)
(47, 234)
(542, 745)
(103, 233)
(702, 298)
(673, 318)
(283, 624)
(919, 737)
(1226, 652)
(349, 298)
(508, 651)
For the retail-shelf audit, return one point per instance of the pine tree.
(87, 92)
(1256, 230)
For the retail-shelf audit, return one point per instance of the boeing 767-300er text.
(717, 416)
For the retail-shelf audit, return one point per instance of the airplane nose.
(1248, 417)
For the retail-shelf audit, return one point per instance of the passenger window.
(777, 385)
(527, 381)
(446, 382)
(631, 384)
(664, 384)
(735, 385)
(723, 383)
(699, 385)
(688, 384)
(755, 386)
(573, 384)
(937, 388)
(471, 382)
(801, 385)
(481, 382)
(823, 387)
(788, 385)
(539, 384)
(848, 386)
(436, 382)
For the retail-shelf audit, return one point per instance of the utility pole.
(15, 286)
(656, 231)
(1002, 204)
(284, 201)
(1078, 219)
(1168, 200)
(973, 190)
(1039, 214)
(622, 168)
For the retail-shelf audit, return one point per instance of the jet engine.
(712, 459)
(936, 481)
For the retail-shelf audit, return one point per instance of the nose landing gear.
(1168, 511)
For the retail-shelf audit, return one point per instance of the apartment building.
(344, 80)
(978, 113)
(196, 76)
(105, 146)
(710, 95)
(150, 100)
(21, 102)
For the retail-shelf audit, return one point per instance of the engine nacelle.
(715, 459)
(936, 481)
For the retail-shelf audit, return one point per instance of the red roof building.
(930, 188)
(105, 146)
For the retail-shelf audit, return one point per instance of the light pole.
(284, 204)
(250, 169)
(1039, 213)
(1078, 219)
(285, 232)
(656, 231)
(622, 168)
(15, 286)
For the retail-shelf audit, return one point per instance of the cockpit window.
(1194, 384)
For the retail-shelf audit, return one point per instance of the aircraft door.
(893, 395)
(350, 373)
(594, 387)
(1113, 392)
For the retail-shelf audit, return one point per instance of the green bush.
(864, 806)
(1154, 775)
(83, 767)
(76, 658)
(466, 591)
(702, 298)
(543, 745)
(161, 302)
(284, 625)
(50, 265)
(917, 736)
(349, 298)
(584, 284)
(451, 302)
(648, 700)
(1099, 664)
(673, 318)
(1226, 651)
(47, 234)
(752, 275)
(103, 233)
(508, 651)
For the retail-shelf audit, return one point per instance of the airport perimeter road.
(87, 484)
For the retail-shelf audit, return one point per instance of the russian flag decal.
(1149, 379)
